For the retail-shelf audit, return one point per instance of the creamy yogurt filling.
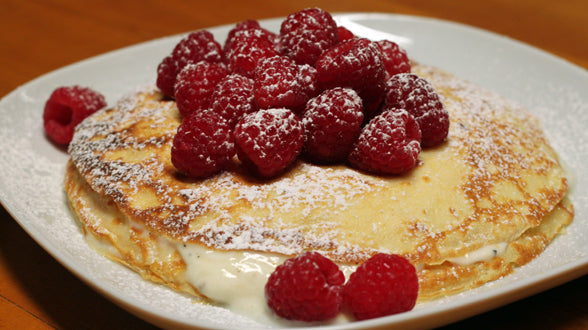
(485, 253)
(234, 279)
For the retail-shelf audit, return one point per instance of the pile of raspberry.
(313, 90)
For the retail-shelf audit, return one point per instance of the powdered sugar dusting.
(299, 193)
(112, 177)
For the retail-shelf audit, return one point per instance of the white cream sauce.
(234, 279)
(485, 253)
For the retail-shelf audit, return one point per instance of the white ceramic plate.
(31, 168)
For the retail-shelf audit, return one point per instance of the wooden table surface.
(38, 36)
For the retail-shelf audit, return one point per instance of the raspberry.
(167, 71)
(416, 95)
(195, 85)
(233, 98)
(246, 49)
(236, 34)
(306, 34)
(66, 107)
(355, 63)
(306, 288)
(268, 141)
(309, 84)
(203, 145)
(385, 284)
(332, 122)
(195, 47)
(395, 58)
(388, 144)
(372, 97)
(241, 26)
(281, 83)
(344, 33)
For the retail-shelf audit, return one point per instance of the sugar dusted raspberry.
(385, 284)
(233, 98)
(250, 24)
(247, 48)
(416, 95)
(281, 83)
(388, 144)
(268, 141)
(167, 71)
(332, 122)
(306, 34)
(203, 145)
(355, 63)
(195, 47)
(308, 78)
(306, 288)
(395, 58)
(66, 108)
(344, 33)
(236, 34)
(195, 85)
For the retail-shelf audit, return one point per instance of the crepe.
(488, 199)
